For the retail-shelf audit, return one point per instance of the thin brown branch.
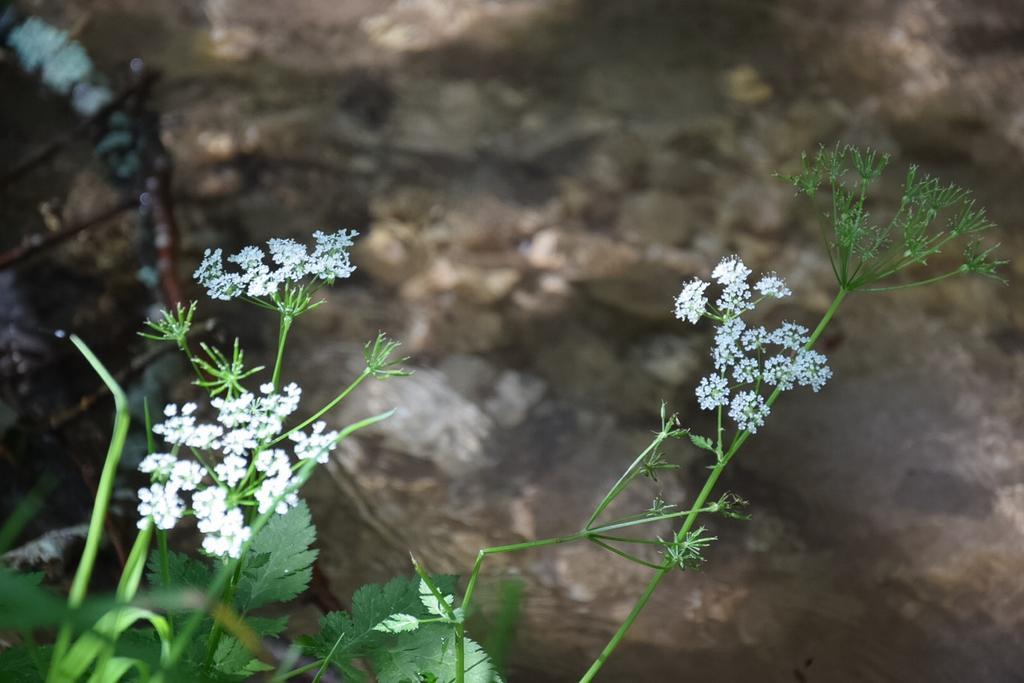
(33, 244)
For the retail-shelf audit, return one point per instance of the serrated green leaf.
(183, 571)
(17, 664)
(702, 442)
(353, 636)
(397, 623)
(286, 569)
(431, 602)
(430, 651)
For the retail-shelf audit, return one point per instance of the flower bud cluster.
(749, 361)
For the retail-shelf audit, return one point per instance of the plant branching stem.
(691, 518)
(282, 338)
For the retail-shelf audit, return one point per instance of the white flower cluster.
(235, 465)
(744, 357)
(291, 263)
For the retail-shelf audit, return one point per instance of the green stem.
(695, 511)
(929, 281)
(301, 670)
(165, 570)
(80, 584)
(282, 337)
(662, 572)
(623, 554)
(217, 630)
(622, 483)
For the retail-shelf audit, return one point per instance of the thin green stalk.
(622, 553)
(695, 511)
(282, 337)
(460, 629)
(165, 569)
(622, 483)
(80, 584)
(302, 669)
(652, 585)
(217, 630)
(597, 531)
(929, 281)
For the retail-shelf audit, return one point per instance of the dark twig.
(40, 241)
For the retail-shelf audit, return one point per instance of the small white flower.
(232, 469)
(273, 487)
(176, 429)
(735, 299)
(273, 462)
(746, 371)
(162, 504)
(227, 538)
(290, 256)
(778, 372)
(204, 437)
(726, 351)
(691, 302)
(791, 336)
(187, 475)
(811, 369)
(713, 391)
(317, 444)
(772, 285)
(730, 270)
(330, 258)
(209, 505)
(158, 465)
(755, 338)
(234, 412)
(219, 283)
(749, 410)
(238, 442)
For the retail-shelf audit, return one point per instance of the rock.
(579, 255)
(391, 252)
(475, 284)
(515, 393)
(645, 291)
(744, 85)
(657, 217)
(671, 359)
(432, 420)
(761, 206)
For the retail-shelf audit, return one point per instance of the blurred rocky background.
(533, 181)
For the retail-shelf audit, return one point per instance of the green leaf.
(397, 623)
(353, 636)
(183, 571)
(430, 652)
(702, 442)
(232, 658)
(280, 561)
(18, 665)
(431, 602)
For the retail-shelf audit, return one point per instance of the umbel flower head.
(235, 465)
(748, 360)
(290, 262)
